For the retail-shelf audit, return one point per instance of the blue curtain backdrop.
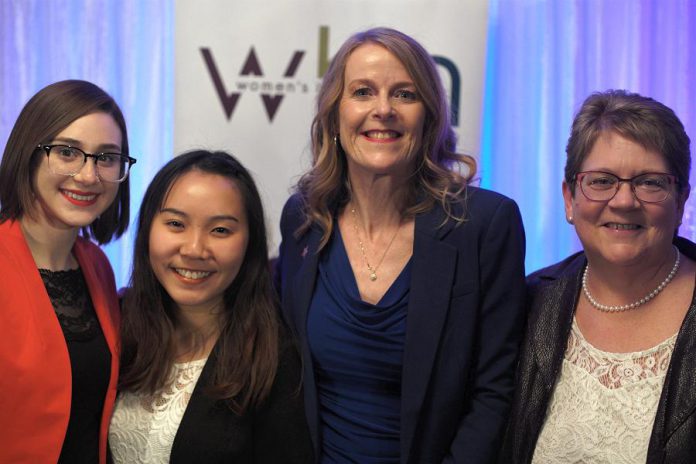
(124, 46)
(543, 59)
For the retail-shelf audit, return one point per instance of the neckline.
(67, 271)
(386, 299)
(622, 355)
(193, 363)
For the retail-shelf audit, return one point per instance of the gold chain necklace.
(373, 270)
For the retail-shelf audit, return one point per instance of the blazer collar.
(436, 224)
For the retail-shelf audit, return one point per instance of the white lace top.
(604, 404)
(143, 426)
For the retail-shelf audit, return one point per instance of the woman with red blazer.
(63, 181)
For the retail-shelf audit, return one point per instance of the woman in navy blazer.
(403, 283)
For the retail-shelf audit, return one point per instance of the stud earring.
(569, 219)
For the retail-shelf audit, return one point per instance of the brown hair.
(45, 115)
(247, 348)
(643, 120)
(325, 187)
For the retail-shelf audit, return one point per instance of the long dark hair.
(44, 116)
(247, 349)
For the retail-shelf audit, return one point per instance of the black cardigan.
(275, 433)
(553, 294)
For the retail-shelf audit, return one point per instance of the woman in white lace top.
(608, 365)
(208, 374)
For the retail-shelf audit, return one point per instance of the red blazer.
(35, 374)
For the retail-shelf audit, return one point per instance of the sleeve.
(281, 434)
(501, 324)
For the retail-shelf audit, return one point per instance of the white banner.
(247, 75)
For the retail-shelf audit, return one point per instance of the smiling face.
(381, 115)
(67, 202)
(198, 239)
(623, 230)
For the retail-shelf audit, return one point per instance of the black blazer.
(275, 433)
(553, 296)
(464, 322)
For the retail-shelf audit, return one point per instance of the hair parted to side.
(640, 119)
(325, 187)
(246, 352)
(45, 115)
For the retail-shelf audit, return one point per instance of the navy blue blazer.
(464, 323)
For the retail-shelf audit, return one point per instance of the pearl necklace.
(627, 307)
(373, 270)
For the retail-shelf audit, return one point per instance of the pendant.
(373, 276)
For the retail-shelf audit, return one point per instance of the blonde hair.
(325, 188)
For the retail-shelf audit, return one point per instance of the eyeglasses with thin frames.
(66, 160)
(650, 187)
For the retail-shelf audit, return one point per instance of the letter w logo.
(251, 67)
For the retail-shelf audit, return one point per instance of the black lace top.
(90, 362)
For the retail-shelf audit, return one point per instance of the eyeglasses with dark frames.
(650, 187)
(66, 160)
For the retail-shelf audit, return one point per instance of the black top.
(90, 362)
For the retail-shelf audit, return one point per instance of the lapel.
(302, 283)
(432, 276)
(39, 308)
(300, 297)
(678, 398)
(197, 415)
(551, 318)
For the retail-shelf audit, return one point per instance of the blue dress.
(357, 349)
